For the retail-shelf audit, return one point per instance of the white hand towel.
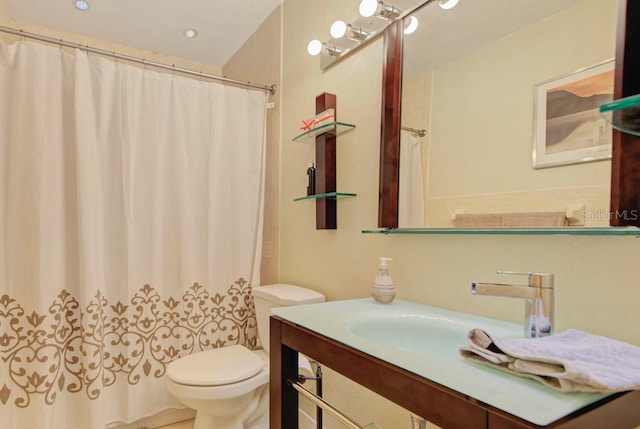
(571, 361)
(304, 366)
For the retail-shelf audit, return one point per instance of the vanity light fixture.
(345, 38)
(316, 47)
(370, 8)
(448, 4)
(81, 5)
(410, 24)
(341, 29)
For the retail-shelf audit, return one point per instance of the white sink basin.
(413, 333)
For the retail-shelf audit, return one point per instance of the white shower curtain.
(411, 190)
(130, 228)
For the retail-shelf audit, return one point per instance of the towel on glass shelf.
(571, 361)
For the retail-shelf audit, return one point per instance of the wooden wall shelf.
(325, 136)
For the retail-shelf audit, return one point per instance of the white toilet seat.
(194, 383)
(215, 367)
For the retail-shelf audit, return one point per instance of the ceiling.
(155, 25)
(224, 25)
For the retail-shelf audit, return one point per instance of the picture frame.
(568, 127)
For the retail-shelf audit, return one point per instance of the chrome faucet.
(538, 296)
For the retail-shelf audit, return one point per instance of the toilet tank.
(278, 295)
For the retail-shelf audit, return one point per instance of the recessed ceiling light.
(81, 5)
(190, 33)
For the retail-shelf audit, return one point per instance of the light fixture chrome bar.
(389, 11)
(332, 50)
(268, 88)
(318, 401)
(357, 33)
(419, 133)
(379, 8)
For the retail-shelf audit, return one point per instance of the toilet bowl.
(228, 387)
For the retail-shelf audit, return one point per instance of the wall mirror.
(483, 79)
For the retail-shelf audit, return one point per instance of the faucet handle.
(541, 280)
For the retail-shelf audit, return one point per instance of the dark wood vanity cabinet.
(436, 403)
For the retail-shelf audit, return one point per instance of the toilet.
(229, 386)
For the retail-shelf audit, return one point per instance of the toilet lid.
(216, 367)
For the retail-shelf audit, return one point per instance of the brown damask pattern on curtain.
(75, 348)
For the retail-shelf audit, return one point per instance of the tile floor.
(186, 424)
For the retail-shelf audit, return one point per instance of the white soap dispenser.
(382, 289)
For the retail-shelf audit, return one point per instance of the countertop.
(524, 398)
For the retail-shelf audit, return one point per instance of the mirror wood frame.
(625, 160)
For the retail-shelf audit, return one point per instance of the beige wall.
(337, 263)
(596, 277)
(493, 119)
(259, 60)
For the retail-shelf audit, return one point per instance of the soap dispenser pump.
(382, 289)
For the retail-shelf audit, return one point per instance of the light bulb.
(448, 4)
(411, 25)
(338, 29)
(81, 5)
(368, 8)
(314, 47)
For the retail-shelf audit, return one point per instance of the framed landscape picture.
(568, 127)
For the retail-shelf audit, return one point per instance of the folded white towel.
(571, 361)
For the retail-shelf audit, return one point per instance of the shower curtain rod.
(269, 88)
(420, 133)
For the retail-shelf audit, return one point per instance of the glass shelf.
(328, 195)
(623, 114)
(610, 231)
(334, 128)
